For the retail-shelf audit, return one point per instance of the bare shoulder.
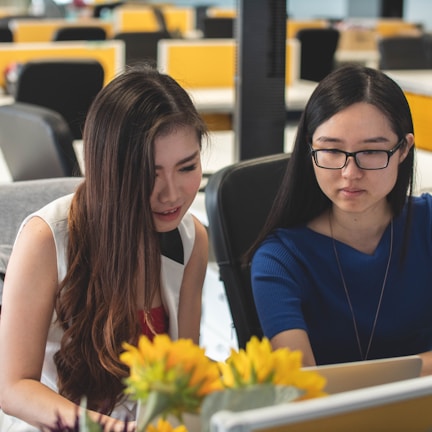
(201, 236)
(36, 230)
(33, 256)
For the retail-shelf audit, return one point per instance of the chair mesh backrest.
(65, 86)
(403, 52)
(317, 52)
(238, 201)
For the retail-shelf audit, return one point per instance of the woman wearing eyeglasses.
(342, 270)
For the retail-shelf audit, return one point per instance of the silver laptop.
(355, 375)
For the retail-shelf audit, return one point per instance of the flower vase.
(192, 422)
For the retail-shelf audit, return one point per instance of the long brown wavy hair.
(112, 239)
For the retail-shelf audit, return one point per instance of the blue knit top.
(297, 285)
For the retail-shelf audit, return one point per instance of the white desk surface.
(368, 58)
(413, 81)
(222, 100)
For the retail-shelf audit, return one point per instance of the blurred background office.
(410, 10)
(207, 67)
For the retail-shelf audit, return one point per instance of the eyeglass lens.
(336, 159)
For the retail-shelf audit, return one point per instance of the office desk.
(398, 406)
(417, 86)
(413, 81)
(368, 58)
(222, 100)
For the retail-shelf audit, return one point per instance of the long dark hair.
(112, 238)
(300, 199)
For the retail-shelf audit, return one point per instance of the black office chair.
(65, 86)
(317, 52)
(36, 143)
(75, 33)
(218, 27)
(403, 52)
(6, 34)
(141, 46)
(238, 199)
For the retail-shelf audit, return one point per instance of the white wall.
(301, 9)
(419, 11)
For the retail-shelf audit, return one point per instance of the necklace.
(363, 357)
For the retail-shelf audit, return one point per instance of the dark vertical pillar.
(259, 115)
(391, 9)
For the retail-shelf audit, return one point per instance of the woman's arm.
(295, 340)
(192, 284)
(427, 363)
(27, 311)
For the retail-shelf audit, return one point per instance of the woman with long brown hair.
(120, 257)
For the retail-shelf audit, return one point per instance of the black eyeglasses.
(364, 159)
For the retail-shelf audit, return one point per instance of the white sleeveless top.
(55, 215)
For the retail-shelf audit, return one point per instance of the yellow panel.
(43, 30)
(421, 109)
(396, 27)
(129, 19)
(289, 58)
(221, 12)
(180, 19)
(211, 64)
(218, 122)
(108, 54)
(293, 26)
(413, 416)
(202, 65)
(142, 18)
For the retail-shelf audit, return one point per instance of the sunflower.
(169, 377)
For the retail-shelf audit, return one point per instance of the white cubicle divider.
(400, 406)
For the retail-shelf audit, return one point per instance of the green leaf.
(86, 424)
(246, 398)
(156, 405)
